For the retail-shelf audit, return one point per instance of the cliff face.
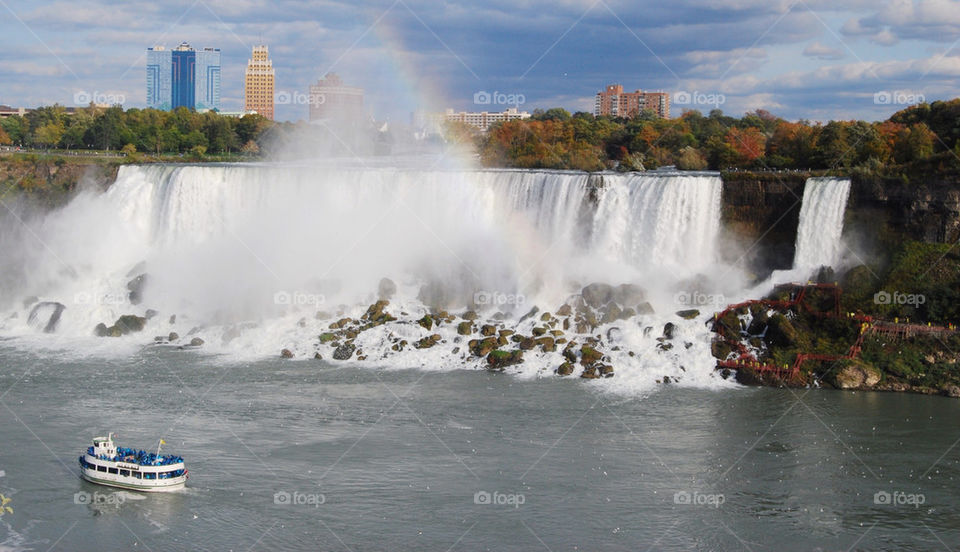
(50, 181)
(762, 211)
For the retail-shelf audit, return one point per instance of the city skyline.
(814, 60)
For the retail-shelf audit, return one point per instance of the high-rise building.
(617, 103)
(330, 99)
(183, 77)
(258, 83)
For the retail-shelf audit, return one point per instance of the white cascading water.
(821, 223)
(256, 258)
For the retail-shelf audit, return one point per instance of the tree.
(749, 144)
(5, 139)
(691, 160)
(914, 143)
(250, 148)
(49, 134)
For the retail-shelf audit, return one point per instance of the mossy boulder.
(565, 369)
(465, 328)
(499, 359)
(426, 322)
(427, 342)
(589, 355)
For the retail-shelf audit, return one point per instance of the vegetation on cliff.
(922, 134)
(911, 296)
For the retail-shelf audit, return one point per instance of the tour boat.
(132, 469)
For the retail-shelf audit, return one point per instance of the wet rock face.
(344, 352)
(46, 316)
(386, 289)
(136, 287)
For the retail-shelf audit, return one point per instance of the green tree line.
(143, 130)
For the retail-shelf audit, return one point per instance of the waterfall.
(821, 223)
(258, 257)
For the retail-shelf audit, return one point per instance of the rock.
(666, 379)
(669, 330)
(759, 322)
(465, 328)
(605, 370)
(487, 330)
(426, 322)
(342, 323)
(506, 333)
(688, 314)
(173, 336)
(344, 352)
(101, 330)
(611, 313)
(150, 314)
(173, 319)
(597, 295)
(375, 311)
(590, 372)
(286, 353)
(317, 356)
(46, 316)
(196, 342)
(482, 347)
(538, 331)
(327, 337)
(29, 301)
(570, 354)
(386, 289)
(589, 355)
(547, 344)
(781, 332)
(565, 369)
(951, 390)
(427, 342)
(565, 310)
(532, 312)
(629, 294)
(645, 308)
(527, 343)
(856, 375)
(469, 315)
(498, 360)
(136, 287)
(127, 324)
(545, 317)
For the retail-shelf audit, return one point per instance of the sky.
(800, 59)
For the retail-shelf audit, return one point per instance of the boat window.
(101, 468)
(125, 472)
(136, 474)
(112, 470)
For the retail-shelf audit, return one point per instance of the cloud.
(821, 51)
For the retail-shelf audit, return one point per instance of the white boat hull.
(125, 483)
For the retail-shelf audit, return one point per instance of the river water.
(299, 455)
